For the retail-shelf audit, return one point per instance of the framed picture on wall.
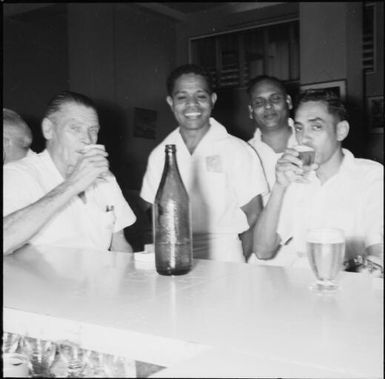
(375, 114)
(337, 86)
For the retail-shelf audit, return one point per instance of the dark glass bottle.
(172, 221)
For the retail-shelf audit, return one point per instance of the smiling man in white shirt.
(65, 196)
(222, 174)
(338, 191)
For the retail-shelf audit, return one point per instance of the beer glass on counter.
(325, 249)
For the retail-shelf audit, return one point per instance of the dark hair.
(187, 69)
(66, 97)
(265, 78)
(332, 101)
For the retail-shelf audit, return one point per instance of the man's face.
(73, 127)
(13, 138)
(5, 147)
(191, 102)
(316, 127)
(269, 106)
(6, 142)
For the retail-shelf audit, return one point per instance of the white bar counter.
(220, 320)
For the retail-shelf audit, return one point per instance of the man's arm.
(20, 226)
(266, 239)
(119, 243)
(252, 210)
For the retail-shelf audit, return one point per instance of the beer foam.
(302, 148)
(325, 236)
(88, 147)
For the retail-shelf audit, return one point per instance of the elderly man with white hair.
(17, 137)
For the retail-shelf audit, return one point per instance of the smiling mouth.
(192, 115)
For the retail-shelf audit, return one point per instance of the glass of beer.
(306, 154)
(325, 249)
(100, 147)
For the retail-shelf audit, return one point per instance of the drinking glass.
(102, 365)
(10, 342)
(306, 154)
(74, 358)
(119, 367)
(325, 249)
(94, 367)
(41, 354)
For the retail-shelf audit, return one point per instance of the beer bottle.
(172, 220)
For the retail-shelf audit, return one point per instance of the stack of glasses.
(32, 357)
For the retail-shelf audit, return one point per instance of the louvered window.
(234, 58)
(368, 43)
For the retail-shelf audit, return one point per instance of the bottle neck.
(170, 159)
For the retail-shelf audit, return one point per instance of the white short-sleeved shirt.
(222, 175)
(30, 153)
(351, 200)
(268, 156)
(77, 224)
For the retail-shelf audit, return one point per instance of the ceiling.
(192, 7)
(181, 10)
(176, 10)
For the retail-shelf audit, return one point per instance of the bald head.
(17, 136)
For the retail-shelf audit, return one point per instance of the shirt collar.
(347, 161)
(346, 165)
(47, 159)
(258, 134)
(30, 153)
(216, 132)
